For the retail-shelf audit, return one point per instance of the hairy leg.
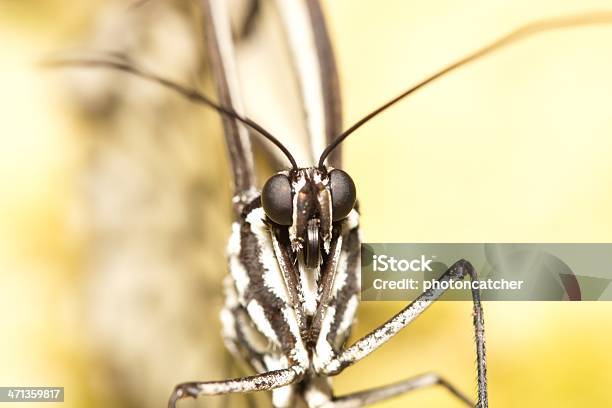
(367, 344)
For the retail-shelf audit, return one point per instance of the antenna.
(521, 33)
(122, 63)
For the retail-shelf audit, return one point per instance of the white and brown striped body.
(277, 313)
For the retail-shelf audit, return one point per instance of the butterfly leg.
(374, 395)
(386, 331)
(261, 382)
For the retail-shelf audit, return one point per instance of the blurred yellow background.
(513, 148)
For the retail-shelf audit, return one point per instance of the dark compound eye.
(343, 194)
(276, 199)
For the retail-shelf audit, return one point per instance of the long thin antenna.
(122, 63)
(515, 35)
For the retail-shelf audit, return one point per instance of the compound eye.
(276, 199)
(343, 194)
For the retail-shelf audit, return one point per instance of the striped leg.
(261, 382)
(229, 371)
(374, 395)
(386, 331)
